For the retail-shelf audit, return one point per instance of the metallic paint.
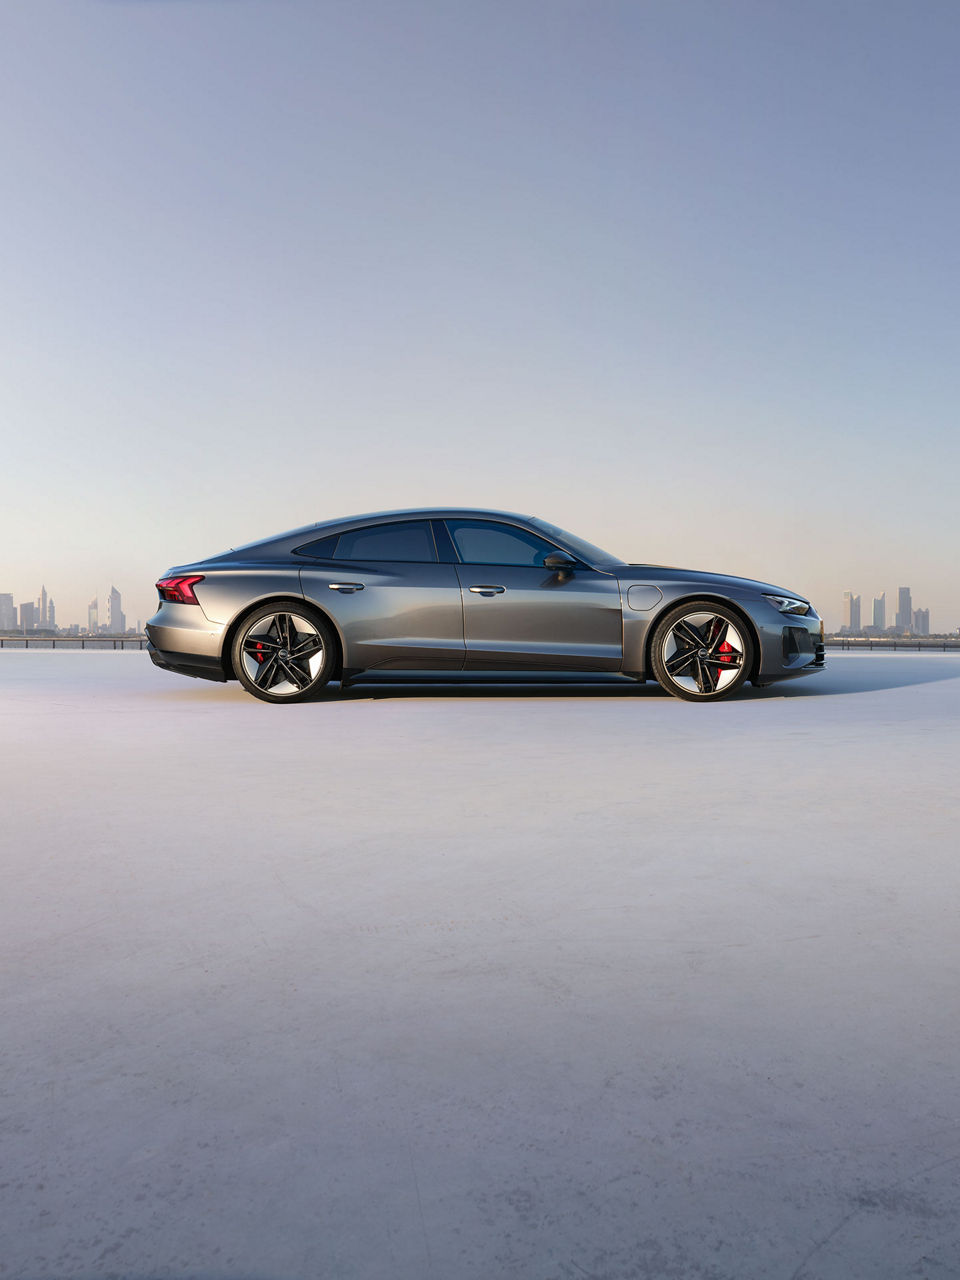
(594, 617)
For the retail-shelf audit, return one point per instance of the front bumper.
(790, 645)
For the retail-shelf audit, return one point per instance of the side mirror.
(559, 562)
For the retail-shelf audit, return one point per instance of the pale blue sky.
(682, 276)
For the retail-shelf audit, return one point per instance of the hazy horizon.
(825, 611)
(679, 277)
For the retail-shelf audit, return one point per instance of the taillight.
(179, 589)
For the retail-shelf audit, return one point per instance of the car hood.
(656, 573)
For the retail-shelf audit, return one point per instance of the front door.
(517, 613)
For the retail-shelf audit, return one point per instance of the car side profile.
(460, 590)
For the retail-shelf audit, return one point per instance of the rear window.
(322, 549)
(409, 540)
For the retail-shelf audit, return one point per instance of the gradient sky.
(681, 276)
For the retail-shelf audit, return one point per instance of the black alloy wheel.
(701, 651)
(283, 653)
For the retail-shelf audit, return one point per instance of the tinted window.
(485, 542)
(409, 540)
(577, 546)
(322, 549)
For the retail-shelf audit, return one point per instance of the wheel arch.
(691, 598)
(301, 604)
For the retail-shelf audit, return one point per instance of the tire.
(701, 651)
(283, 652)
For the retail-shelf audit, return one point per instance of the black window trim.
(441, 535)
(441, 521)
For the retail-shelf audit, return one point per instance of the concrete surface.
(456, 986)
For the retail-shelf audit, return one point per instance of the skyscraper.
(116, 622)
(905, 610)
(851, 613)
(93, 616)
(28, 616)
(8, 613)
(51, 615)
(43, 606)
(921, 622)
(880, 611)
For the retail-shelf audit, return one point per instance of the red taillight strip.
(179, 589)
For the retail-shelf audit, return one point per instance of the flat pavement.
(438, 984)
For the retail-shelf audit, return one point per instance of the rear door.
(396, 605)
(517, 613)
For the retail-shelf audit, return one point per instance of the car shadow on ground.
(415, 685)
(885, 672)
(869, 676)
(480, 685)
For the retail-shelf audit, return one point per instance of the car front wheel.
(701, 652)
(281, 653)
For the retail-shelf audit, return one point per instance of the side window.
(486, 542)
(322, 549)
(410, 540)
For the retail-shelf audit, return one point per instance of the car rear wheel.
(283, 653)
(701, 651)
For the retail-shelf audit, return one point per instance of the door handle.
(488, 591)
(345, 587)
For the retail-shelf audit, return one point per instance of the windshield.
(583, 550)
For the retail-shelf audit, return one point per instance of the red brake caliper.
(725, 650)
(259, 651)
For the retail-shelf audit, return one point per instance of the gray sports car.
(462, 590)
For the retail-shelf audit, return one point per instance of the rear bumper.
(188, 664)
(181, 638)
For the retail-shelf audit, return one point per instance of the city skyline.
(681, 278)
(908, 619)
(39, 614)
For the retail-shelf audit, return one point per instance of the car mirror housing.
(559, 561)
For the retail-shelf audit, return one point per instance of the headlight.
(788, 604)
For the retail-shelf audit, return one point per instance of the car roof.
(292, 537)
(426, 513)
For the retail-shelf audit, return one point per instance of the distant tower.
(904, 610)
(880, 611)
(8, 613)
(93, 616)
(43, 606)
(28, 616)
(921, 622)
(51, 615)
(116, 622)
(851, 613)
